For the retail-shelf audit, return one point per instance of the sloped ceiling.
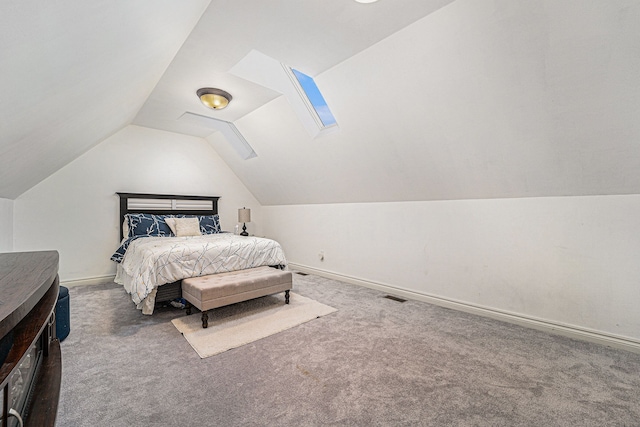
(75, 72)
(435, 99)
(480, 99)
(310, 35)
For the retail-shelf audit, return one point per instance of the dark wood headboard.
(166, 204)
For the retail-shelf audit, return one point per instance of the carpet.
(239, 324)
(374, 362)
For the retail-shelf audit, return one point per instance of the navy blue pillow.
(119, 253)
(209, 224)
(143, 224)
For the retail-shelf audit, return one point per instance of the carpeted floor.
(374, 362)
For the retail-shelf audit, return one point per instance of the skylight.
(301, 91)
(315, 98)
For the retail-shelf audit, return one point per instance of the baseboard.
(88, 281)
(570, 331)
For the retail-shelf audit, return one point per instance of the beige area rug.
(242, 323)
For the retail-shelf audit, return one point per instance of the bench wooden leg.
(188, 307)
(205, 319)
(286, 297)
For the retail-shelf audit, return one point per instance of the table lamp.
(244, 216)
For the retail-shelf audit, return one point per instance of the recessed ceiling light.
(366, 1)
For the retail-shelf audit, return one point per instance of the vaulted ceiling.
(75, 72)
(435, 99)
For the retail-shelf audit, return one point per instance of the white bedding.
(150, 262)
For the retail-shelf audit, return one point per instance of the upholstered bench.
(217, 290)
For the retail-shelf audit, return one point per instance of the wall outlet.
(321, 255)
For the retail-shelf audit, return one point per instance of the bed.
(154, 256)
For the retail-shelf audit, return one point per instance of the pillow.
(144, 224)
(119, 253)
(187, 226)
(125, 227)
(171, 222)
(209, 224)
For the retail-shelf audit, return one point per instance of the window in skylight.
(315, 98)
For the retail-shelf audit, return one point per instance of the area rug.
(242, 323)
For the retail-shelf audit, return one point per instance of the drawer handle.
(17, 415)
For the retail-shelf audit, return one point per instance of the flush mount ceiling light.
(366, 1)
(216, 99)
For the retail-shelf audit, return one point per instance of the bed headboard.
(166, 204)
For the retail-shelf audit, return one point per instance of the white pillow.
(171, 222)
(187, 227)
(125, 228)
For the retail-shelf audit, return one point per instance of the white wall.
(75, 210)
(567, 260)
(6, 225)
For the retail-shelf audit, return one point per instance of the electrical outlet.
(321, 255)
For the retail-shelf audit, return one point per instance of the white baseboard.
(571, 331)
(88, 281)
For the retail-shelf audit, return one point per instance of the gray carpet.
(375, 362)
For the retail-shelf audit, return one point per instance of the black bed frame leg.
(286, 297)
(205, 319)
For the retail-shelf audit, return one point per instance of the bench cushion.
(217, 290)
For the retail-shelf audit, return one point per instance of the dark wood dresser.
(31, 369)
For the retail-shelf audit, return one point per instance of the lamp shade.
(244, 215)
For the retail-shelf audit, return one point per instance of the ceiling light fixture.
(216, 99)
(366, 1)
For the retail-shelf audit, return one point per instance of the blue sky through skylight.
(315, 97)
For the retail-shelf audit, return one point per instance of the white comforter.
(153, 261)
